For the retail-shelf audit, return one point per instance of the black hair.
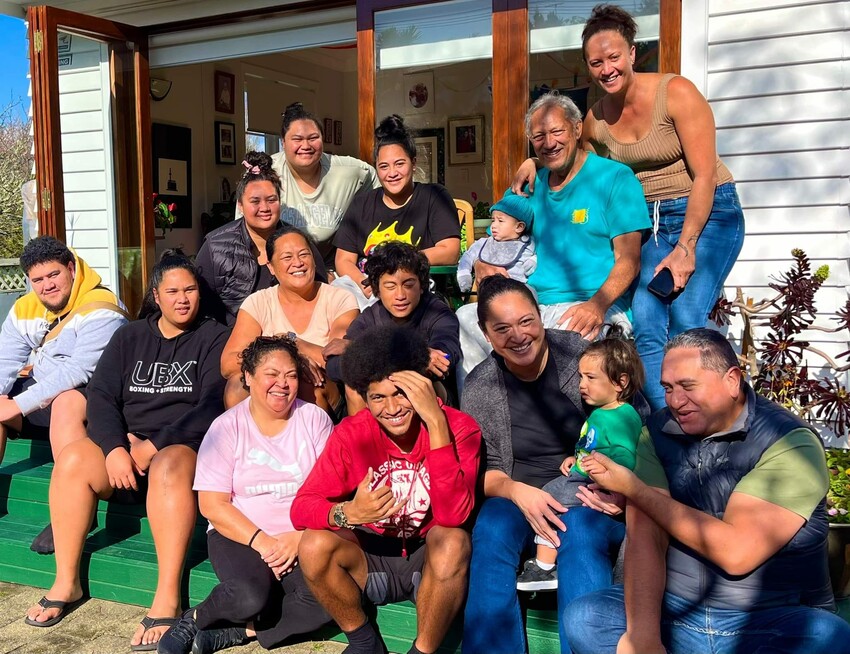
(606, 17)
(381, 351)
(389, 257)
(282, 230)
(170, 260)
(619, 357)
(262, 164)
(44, 249)
(296, 111)
(261, 347)
(392, 131)
(715, 351)
(495, 286)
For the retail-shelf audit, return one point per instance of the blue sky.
(13, 60)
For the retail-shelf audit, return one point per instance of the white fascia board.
(12, 9)
(437, 53)
(568, 37)
(331, 27)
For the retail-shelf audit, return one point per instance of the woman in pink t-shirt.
(252, 461)
(309, 312)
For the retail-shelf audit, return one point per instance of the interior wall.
(190, 104)
(463, 89)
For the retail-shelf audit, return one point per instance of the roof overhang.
(13, 9)
(142, 13)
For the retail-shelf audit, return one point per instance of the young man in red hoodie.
(385, 505)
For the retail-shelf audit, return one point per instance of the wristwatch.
(339, 517)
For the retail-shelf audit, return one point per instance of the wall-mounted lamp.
(160, 88)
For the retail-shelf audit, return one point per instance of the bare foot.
(56, 593)
(153, 633)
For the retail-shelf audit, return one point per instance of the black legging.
(249, 592)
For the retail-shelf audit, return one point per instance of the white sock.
(544, 566)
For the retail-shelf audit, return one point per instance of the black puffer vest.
(234, 263)
(235, 267)
(703, 474)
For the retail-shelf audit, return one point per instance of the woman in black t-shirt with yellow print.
(423, 215)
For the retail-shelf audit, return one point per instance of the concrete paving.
(95, 627)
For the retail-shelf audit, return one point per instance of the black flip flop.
(64, 609)
(151, 623)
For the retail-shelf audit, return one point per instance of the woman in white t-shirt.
(310, 312)
(252, 462)
(317, 187)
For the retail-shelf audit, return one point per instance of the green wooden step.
(24, 486)
(24, 448)
(114, 567)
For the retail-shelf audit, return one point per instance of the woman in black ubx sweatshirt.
(151, 399)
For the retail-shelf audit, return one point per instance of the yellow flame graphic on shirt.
(389, 234)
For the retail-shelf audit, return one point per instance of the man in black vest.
(726, 526)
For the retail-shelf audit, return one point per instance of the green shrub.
(16, 167)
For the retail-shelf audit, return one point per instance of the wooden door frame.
(510, 66)
(44, 24)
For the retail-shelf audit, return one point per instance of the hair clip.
(254, 170)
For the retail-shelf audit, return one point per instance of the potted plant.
(163, 214)
(480, 215)
(777, 369)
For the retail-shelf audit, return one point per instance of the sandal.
(151, 623)
(64, 609)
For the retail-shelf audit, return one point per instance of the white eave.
(147, 12)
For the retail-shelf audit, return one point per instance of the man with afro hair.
(386, 504)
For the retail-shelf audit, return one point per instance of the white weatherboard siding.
(87, 154)
(777, 76)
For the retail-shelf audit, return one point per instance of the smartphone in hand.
(662, 285)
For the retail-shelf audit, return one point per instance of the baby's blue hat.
(517, 207)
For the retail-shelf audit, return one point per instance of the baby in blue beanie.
(509, 246)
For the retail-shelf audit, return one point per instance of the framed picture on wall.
(466, 140)
(225, 143)
(337, 132)
(328, 129)
(225, 92)
(430, 156)
(418, 91)
(171, 147)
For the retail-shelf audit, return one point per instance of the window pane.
(268, 143)
(446, 32)
(435, 70)
(556, 60)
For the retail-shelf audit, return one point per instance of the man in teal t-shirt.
(576, 229)
(589, 220)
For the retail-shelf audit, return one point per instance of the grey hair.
(715, 351)
(548, 101)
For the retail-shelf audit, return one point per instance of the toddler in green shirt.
(610, 373)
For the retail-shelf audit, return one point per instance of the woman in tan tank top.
(663, 128)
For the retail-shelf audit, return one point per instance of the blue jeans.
(656, 321)
(502, 535)
(595, 624)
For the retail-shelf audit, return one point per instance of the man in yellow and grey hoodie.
(60, 327)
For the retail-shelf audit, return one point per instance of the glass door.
(434, 68)
(91, 114)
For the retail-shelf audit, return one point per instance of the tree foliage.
(15, 169)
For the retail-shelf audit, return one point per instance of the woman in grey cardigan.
(525, 397)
